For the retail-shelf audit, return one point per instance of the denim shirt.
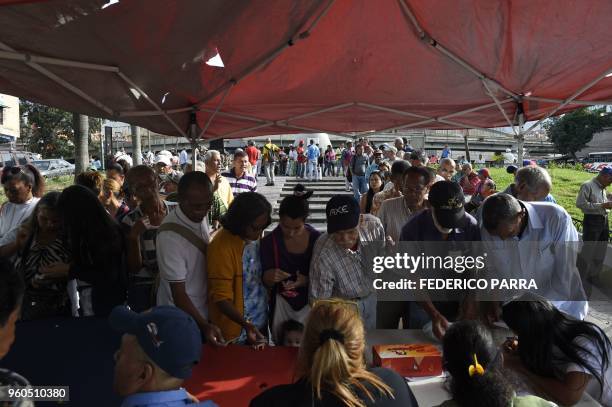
(171, 398)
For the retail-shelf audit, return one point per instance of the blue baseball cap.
(167, 334)
(607, 170)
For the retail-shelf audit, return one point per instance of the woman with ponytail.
(23, 187)
(331, 366)
(475, 366)
(285, 258)
(563, 356)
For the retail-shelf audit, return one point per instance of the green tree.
(571, 132)
(49, 131)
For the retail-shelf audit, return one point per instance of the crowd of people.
(185, 248)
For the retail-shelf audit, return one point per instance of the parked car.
(54, 168)
(14, 157)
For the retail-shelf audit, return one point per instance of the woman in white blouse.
(23, 186)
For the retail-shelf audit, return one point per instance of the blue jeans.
(301, 167)
(360, 186)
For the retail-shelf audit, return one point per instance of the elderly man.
(181, 253)
(390, 153)
(158, 351)
(445, 221)
(418, 158)
(395, 212)
(593, 201)
(532, 184)
(336, 269)
(470, 180)
(534, 240)
(447, 170)
(237, 176)
(223, 195)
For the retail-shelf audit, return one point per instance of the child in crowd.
(291, 333)
(474, 363)
(560, 354)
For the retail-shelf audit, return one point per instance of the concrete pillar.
(136, 146)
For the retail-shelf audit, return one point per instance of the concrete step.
(315, 217)
(313, 201)
(319, 194)
(316, 187)
(314, 208)
(321, 227)
(323, 181)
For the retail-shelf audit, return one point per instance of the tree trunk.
(136, 146)
(80, 124)
(467, 146)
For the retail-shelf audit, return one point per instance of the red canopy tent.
(343, 66)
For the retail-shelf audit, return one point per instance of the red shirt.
(253, 154)
(470, 183)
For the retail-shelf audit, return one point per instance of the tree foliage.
(49, 131)
(571, 132)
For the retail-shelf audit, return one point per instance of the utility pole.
(80, 124)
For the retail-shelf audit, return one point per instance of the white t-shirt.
(593, 388)
(12, 216)
(179, 260)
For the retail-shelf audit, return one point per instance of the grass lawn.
(566, 183)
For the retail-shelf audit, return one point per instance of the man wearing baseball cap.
(593, 201)
(158, 349)
(446, 220)
(337, 268)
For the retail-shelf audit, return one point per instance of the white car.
(54, 168)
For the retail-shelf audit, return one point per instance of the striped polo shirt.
(245, 183)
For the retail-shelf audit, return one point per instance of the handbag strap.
(186, 233)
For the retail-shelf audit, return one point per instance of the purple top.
(288, 262)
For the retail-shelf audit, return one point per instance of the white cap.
(163, 159)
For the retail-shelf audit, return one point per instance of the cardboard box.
(409, 360)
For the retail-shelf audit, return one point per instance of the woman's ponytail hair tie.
(328, 334)
(476, 368)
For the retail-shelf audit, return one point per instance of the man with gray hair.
(532, 184)
(534, 240)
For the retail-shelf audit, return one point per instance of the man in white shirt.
(534, 240)
(183, 159)
(181, 247)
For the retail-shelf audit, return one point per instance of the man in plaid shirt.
(338, 266)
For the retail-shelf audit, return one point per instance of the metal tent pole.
(520, 137)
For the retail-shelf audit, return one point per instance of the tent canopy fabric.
(280, 66)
